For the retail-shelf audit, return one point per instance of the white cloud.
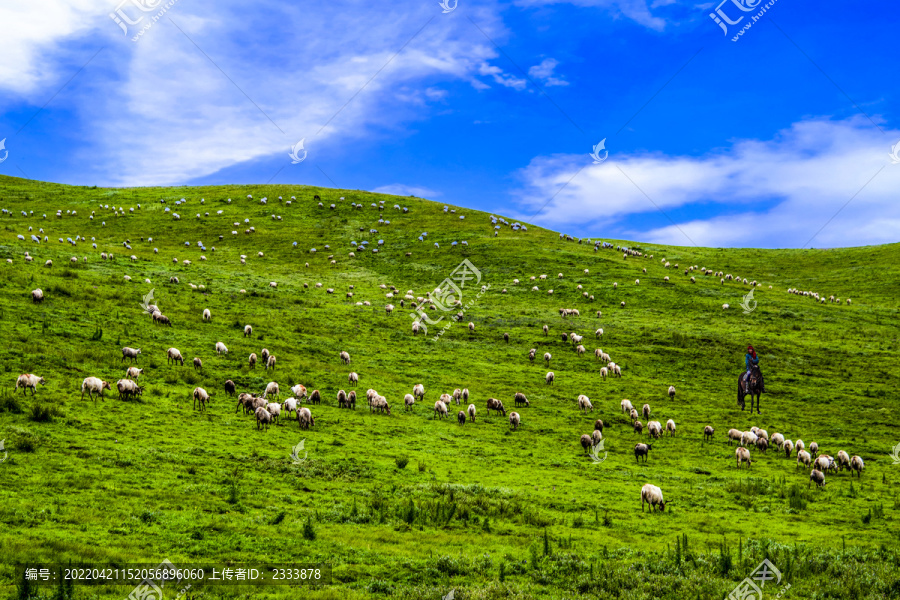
(774, 193)
(31, 30)
(400, 189)
(499, 76)
(545, 73)
(636, 10)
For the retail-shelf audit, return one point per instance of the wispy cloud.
(400, 189)
(636, 10)
(774, 193)
(544, 72)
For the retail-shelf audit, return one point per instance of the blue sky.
(779, 139)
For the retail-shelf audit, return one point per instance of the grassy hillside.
(408, 506)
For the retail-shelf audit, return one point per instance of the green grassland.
(408, 506)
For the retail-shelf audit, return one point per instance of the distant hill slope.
(408, 505)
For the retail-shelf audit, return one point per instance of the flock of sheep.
(267, 412)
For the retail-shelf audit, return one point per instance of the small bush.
(401, 461)
(278, 518)
(43, 414)
(309, 532)
(421, 466)
(10, 403)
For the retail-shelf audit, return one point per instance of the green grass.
(407, 506)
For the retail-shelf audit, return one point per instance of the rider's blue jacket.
(750, 361)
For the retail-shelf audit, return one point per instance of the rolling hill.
(406, 505)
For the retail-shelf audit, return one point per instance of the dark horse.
(754, 387)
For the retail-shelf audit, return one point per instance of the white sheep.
(263, 417)
(514, 420)
(220, 348)
(471, 412)
(271, 388)
(803, 457)
(626, 406)
(173, 355)
(584, 403)
(550, 377)
(653, 496)
(206, 314)
(134, 372)
(671, 391)
(670, 427)
(856, 463)
(248, 331)
(419, 391)
(654, 428)
(92, 385)
(742, 455)
(270, 362)
(440, 409)
(200, 395)
(28, 380)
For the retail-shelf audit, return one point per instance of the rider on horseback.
(752, 360)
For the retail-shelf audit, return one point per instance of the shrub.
(309, 532)
(401, 461)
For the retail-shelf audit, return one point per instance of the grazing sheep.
(762, 444)
(494, 404)
(645, 411)
(814, 449)
(514, 420)
(200, 395)
(816, 477)
(804, 458)
(626, 406)
(380, 404)
(345, 358)
(471, 327)
(742, 455)
(248, 330)
(634, 415)
(305, 418)
(550, 377)
(198, 364)
(598, 425)
(461, 418)
(264, 355)
(465, 395)
(229, 387)
(127, 389)
(671, 391)
(252, 360)
(788, 447)
(670, 427)
(353, 378)
(263, 417)
(547, 357)
(408, 401)
(419, 391)
(245, 401)
(856, 463)
(735, 435)
(440, 409)
(708, 432)
(270, 363)
(457, 394)
(131, 353)
(642, 450)
(799, 445)
(206, 314)
(37, 296)
(586, 442)
(471, 411)
(584, 404)
(824, 463)
(749, 438)
(274, 409)
(638, 427)
(778, 440)
(843, 461)
(221, 349)
(342, 399)
(546, 330)
(521, 400)
(91, 385)
(173, 355)
(133, 372)
(299, 391)
(653, 496)
(580, 349)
